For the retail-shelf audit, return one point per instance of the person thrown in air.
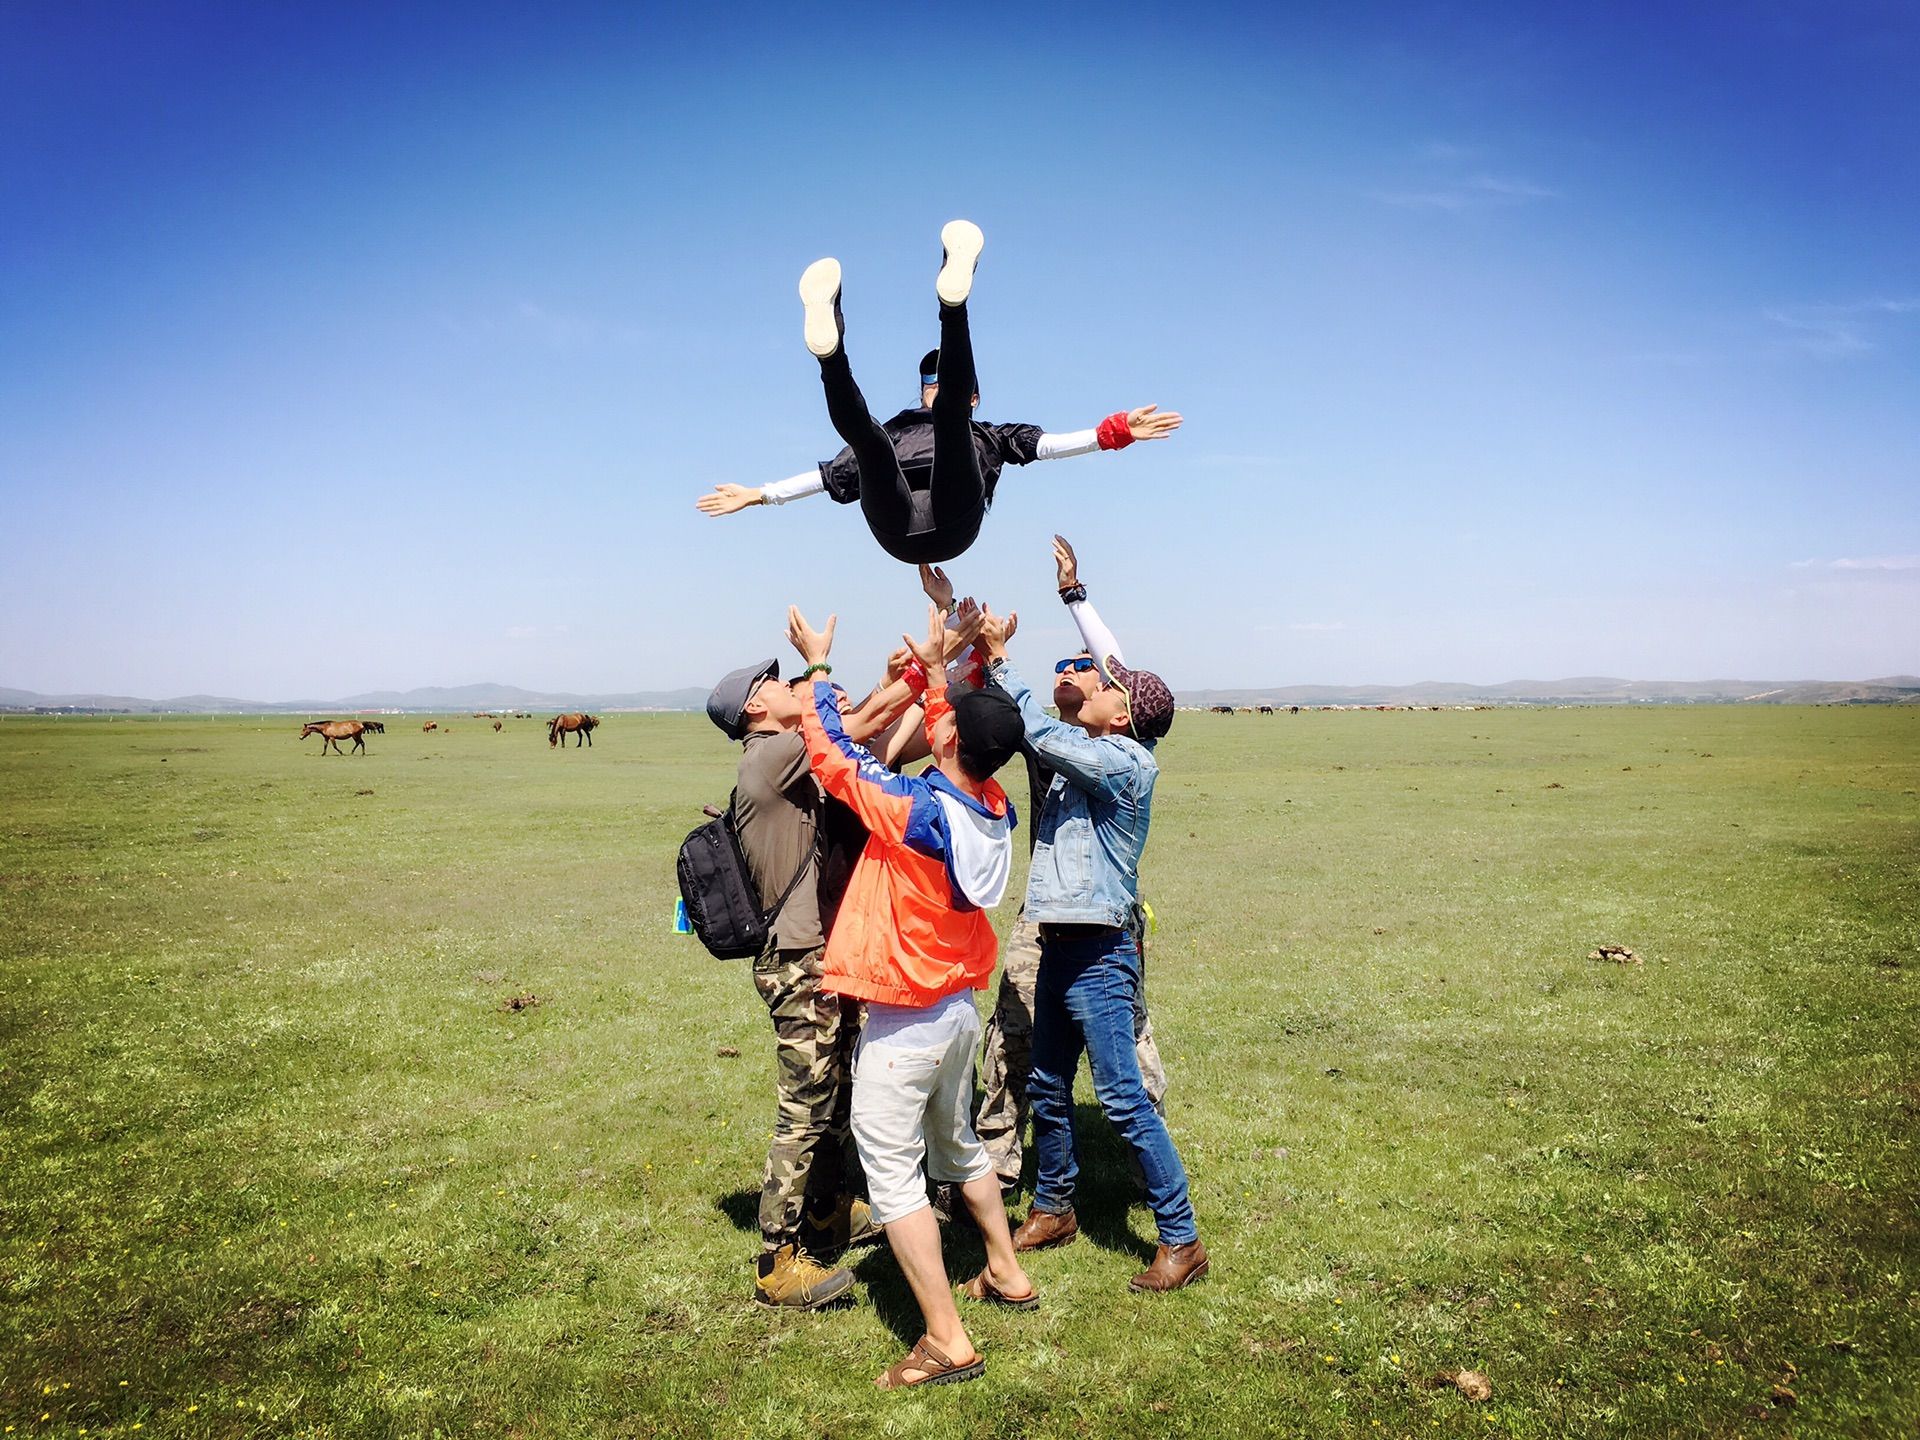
(925, 478)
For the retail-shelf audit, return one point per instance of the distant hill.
(433, 699)
(1581, 690)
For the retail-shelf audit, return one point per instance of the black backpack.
(723, 903)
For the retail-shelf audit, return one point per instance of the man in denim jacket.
(1081, 890)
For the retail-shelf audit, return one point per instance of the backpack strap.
(767, 917)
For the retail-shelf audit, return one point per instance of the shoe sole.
(962, 242)
(819, 288)
(818, 1302)
(1198, 1271)
(1031, 1302)
(952, 1377)
(1048, 1244)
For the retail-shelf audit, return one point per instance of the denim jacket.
(1093, 821)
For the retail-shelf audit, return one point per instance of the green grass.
(274, 1147)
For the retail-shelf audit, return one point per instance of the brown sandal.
(934, 1368)
(982, 1288)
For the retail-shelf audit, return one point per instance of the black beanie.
(990, 730)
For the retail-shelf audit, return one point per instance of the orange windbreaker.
(903, 936)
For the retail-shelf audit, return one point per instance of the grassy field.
(278, 1155)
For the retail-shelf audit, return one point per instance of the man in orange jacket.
(913, 941)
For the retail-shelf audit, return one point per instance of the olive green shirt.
(776, 804)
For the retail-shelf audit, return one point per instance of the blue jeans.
(1085, 1000)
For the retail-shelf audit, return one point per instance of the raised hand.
(1066, 569)
(726, 499)
(995, 632)
(1149, 422)
(965, 629)
(897, 663)
(939, 588)
(814, 645)
(931, 651)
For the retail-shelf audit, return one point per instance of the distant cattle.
(429, 727)
(332, 732)
(579, 726)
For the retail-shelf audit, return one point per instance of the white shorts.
(913, 1103)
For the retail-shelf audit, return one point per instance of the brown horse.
(332, 732)
(577, 725)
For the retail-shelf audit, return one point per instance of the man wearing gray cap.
(807, 1207)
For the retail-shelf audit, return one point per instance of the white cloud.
(1450, 189)
(1865, 562)
(1835, 332)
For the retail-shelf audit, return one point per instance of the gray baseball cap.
(727, 705)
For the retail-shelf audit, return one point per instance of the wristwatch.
(1073, 594)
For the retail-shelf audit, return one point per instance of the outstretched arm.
(725, 499)
(1116, 432)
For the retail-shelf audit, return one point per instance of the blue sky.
(346, 347)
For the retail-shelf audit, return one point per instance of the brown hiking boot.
(1043, 1230)
(792, 1278)
(1173, 1266)
(848, 1224)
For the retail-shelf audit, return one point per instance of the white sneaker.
(961, 243)
(820, 293)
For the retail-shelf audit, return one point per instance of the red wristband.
(1113, 433)
(916, 677)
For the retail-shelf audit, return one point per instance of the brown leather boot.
(1173, 1266)
(1043, 1230)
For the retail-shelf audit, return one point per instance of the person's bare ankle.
(956, 1347)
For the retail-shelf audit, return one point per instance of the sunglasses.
(1079, 665)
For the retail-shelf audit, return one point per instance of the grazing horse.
(496, 727)
(332, 732)
(1266, 709)
(577, 725)
(429, 727)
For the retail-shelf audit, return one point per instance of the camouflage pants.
(810, 1163)
(1008, 1055)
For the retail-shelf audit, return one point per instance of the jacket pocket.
(1073, 849)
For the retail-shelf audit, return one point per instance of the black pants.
(919, 526)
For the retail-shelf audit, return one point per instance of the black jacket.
(912, 434)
